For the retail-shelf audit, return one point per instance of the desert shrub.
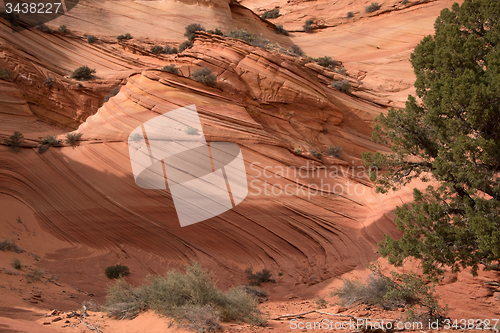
(271, 14)
(295, 49)
(112, 92)
(405, 2)
(91, 39)
(257, 278)
(354, 291)
(321, 303)
(308, 25)
(191, 131)
(205, 76)
(297, 151)
(83, 73)
(217, 31)
(16, 264)
(185, 45)
(257, 292)
(170, 50)
(116, 271)
(49, 82)
(281, 30)
(334, 151)
(191, 30)
(157, 49)
(350, 14)
(250, 38)
(42, 27)
(327, 62)
(343, 86)
(62, 29)
(73, 138)
(192, 296)
(7, 245)
(51, 140)
(373, 7)
(42, 149)
(170, 69)
(4, 74)
(127, 36)
(341, 70)
(15, 141)
(315, 153)
(36, 275)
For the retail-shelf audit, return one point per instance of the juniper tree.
(449, 136)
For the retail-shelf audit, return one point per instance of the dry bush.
(73, 138)
(191, 31)
(205, 76)
(127, 36)
(343, 86)
(258, 277)
(373, 7)
(170, 69)
(16, 264)
(334, 151)
(7, 245)
(4, 74)
(15, 141)
(82, 73)
(116, 271)
(271, 14)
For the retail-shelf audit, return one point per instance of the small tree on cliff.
(451, 136)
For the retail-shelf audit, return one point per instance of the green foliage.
(281, 30)
(116, 271)
(127, 36)
(450, 134)
(157, 49)
(191, 30)
(334, 151)
(296, 50)
(308, 25)
(185, 45)
(343, 85)
(112, 92)
(42, 27)
(83, 73)
(170, 69)
(373, 7)
(49, 82)
(91, 39)
(271, 14)
(350, 15)
(257, 278)
(15, 141)
(315, 153)
(16, 264)
(205, 76)
(47, 142)
(327, 62)
(4, 74)
(62, 29)
(217, 31)
(73, 138)
(192, 296)
(170, 50)
(7, 245)
(248, 37)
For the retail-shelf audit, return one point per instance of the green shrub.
(191, 30)
(281, 30)
(185, 45)
(297, 151)
(157, 49)
(7, 245)
(308, 26)
(334, 151)
(127, 36)
(321, 303)
(73, 138)
(116, 271)
(4, 74)
(62, 29)
(315, 153)
(49, 82)
(16, 264)
(296, 50)
(15, 141)
(257, 278)
(83, 73)
(343, 86)
(192, 296)
(170, 69)
(271, 14)
(250, 38)
(112, 92)
(327, 62)
(217, 31)
(373, 7)
(47, 142)
(205, 76)
(170, 50)
(42, 27)
(341, 70)
(350, 14)
(91, 39)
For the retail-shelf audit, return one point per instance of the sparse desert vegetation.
(112, 92)
(334, 151)
(15, 141)
(83, 73)
(257, 278)
(308, 26)
(271, 14)
(91, 39)
(205, 76)
(7, 245)
(192, 29)
(4, 74)
(47, 142)
(16, 264)
(373, 7)
(126, 36)
(116, 271)
(315, 154)
(62, 29)
(170, 69)
(73, 138)
(343, 86)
